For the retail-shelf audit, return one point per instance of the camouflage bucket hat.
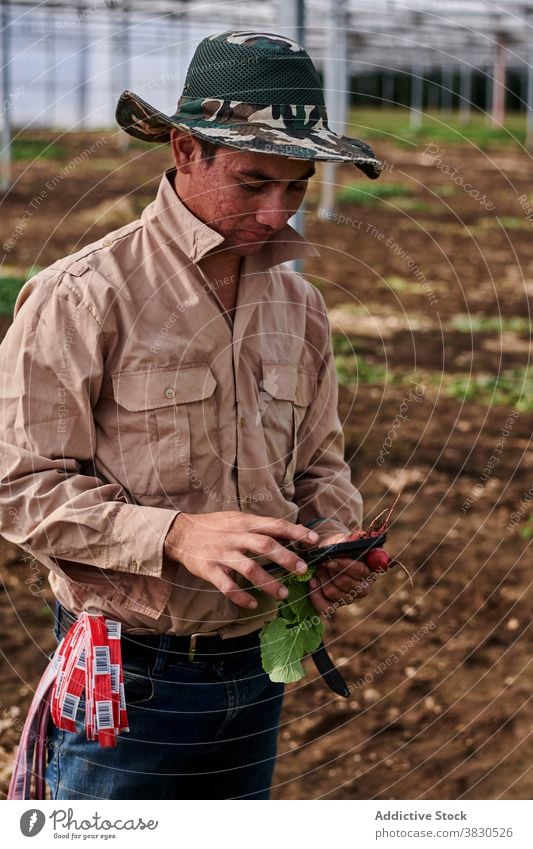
(252, 91)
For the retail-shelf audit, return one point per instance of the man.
(170, 426)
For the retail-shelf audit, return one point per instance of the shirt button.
(169, 392)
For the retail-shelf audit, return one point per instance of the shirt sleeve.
(51, 371)
(323, 486)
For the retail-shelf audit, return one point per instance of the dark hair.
(209, 150)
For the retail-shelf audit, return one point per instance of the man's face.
(245, 196)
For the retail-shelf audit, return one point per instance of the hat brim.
(143, 121)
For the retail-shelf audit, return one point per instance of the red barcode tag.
(89, 659)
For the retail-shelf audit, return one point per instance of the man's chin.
(243, 248)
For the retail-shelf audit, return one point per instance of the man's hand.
(337, 581)
(213, 546)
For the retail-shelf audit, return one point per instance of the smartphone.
(353, 548)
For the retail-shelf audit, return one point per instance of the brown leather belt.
(196, 647)
(208, 647)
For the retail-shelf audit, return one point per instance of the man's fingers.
(322, 543)
(257, 576)
(236, 520)
(342, 582)
(317, 598)
(222, 581)
(337, 587)
(355, 570)
(348, 589)
(275, 551)
(329, 589)
(279, 528)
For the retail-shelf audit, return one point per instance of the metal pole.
(300, 21)
(498, 89)
(387, 90)
(120, 41)
(126, 35)
(292, 24)
(50, 78)
(447, 90)
(170, 64)
(417, 93)
(5, 161)
(465, 95)
(488, 94)
(336, 86)
(529, 113)
(523, 90)
(183, 28)
(432, 90)
(292, 19)
(83, 70)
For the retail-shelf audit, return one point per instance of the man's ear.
(185, 150)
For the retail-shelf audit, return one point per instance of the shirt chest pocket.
(167, 427)
(285, 392)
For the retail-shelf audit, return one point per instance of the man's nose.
(273, 215)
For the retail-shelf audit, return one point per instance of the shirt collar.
(176, 224)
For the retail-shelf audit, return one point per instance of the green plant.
(447, 190)
(317, 282)
(370, 193)
(416, 205)
(513, 388)
(10, 286)
(23, 149)
(400, 284)
(342, 344)
(471, 323)
(9, 289)
(354, 369)
(527, 531)
(393, 125)
(296, 631)
(510, 222)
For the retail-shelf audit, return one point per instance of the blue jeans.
(198, 730)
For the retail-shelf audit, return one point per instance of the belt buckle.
(192, 646)
(193, 639)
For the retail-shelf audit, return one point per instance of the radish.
(377, 560)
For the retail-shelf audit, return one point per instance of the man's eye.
(252, 187)
(298, 187)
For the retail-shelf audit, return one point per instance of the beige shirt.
(128, 395)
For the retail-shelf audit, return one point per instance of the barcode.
(101, 660)
(122, 697)
(104, 715)
(88, 709)
(115, 677)
(113, 629)
(59, 680)
(70, 706)
(80, 663)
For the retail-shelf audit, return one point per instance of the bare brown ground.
(440, 676)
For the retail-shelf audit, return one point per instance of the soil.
(440, 692)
